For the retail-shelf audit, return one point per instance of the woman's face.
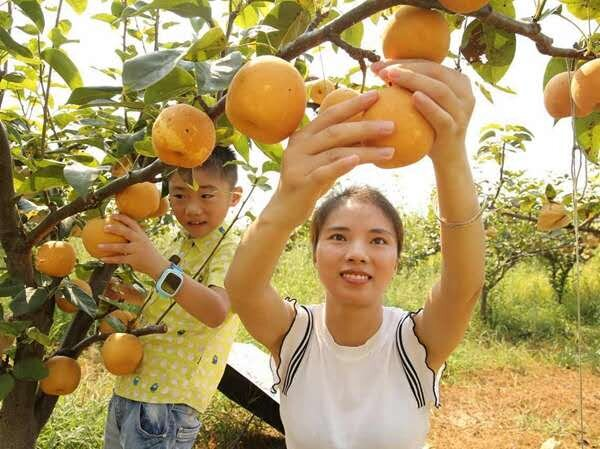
(356, 253)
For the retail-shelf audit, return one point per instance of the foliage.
(60, 136)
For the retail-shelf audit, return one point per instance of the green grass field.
(528, 328)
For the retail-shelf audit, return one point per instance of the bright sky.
(408, 187)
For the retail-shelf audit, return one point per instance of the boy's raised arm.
(207, 304)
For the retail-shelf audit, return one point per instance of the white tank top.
(377, 395)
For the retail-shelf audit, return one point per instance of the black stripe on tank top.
(409, 370)
(298, 353)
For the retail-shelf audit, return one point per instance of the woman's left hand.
(442, 95)
(138, 252)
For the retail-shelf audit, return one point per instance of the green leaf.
(37, 335)
(550, 192)
(554, 67)
(5, 20)
(83, 95)
(144, 147)
(241, 143)
(13, 47)
(145, 70)
(29, 29)
(31, 368)
(125, 142)
(116, 323)
(289, 19)
(10, 286)
(486, 93)
(28, 300)
(272, 151)
(354, 34)
(63, 65)
(7, 383)
(81, 299)
(211, 44)
(48, 174)
(14, 327)
(587, 130)
(81, 177)
(78, 6)
(33, 10)
(490, 51)
(178, 82)
(214, 76)
(183, 8)
(583, 9)
(105, 17)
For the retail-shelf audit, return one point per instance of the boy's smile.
(202, 210)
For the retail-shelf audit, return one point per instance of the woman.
(353, 373)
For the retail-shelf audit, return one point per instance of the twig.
(357, 53)
(586, 228)
(76, 350)
(367, 8)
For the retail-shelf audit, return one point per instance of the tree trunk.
(483, 307)
(18, 427)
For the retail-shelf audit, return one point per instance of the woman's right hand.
(323, 151)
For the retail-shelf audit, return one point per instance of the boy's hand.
(139, 252)
(442, 95)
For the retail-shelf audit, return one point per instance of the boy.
(158, 405)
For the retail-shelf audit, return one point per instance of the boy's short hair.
(219, 162)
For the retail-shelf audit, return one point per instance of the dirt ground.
(511, 410)
(503, 409)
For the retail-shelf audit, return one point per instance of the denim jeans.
(141, 425)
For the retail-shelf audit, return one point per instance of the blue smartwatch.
(170, 280)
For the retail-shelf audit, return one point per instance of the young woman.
(351, 372)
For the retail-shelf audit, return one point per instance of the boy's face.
(203, 210)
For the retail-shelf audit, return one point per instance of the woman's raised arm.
(445, 99)
(316, 156)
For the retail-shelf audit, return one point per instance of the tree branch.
(570, 226)
(12, 234)
(356, 53)
(313, 38)
(92, 200)
(76, 350)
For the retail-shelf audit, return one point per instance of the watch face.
(171, 283)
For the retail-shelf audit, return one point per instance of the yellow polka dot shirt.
(186, 364)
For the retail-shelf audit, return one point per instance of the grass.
(529, 328)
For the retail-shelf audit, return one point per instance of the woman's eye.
(339, 237)
(207, 196)
(178, 196)
(379, 241)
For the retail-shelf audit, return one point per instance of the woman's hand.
(323, 151)
(442, 95)
(138, 252)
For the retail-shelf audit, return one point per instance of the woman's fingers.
(441, 121)
(340, 112)
(365, 155)
(330, 165)
(348, 133)
(456, 81)
(437, 90)
(380, 65)
(327, 174)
